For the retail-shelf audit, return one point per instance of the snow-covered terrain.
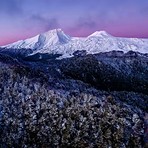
(56, 41)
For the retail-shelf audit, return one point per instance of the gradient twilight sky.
(20, 19)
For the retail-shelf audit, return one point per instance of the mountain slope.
(40, 109)
(57, 42)
(47, 39)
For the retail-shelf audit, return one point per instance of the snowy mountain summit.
(43, 40)
(99, 34)
(53, 37)
(57, 42)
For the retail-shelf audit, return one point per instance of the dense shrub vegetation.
(33, 113)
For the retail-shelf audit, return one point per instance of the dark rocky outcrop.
(80, 53)
(16, 53)
(41, 57)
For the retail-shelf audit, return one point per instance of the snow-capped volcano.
(99, 34)
(52, 37)
(56, 41)
(44, 40)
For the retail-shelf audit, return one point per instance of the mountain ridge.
(57, 42)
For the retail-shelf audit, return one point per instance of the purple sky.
(20, 19)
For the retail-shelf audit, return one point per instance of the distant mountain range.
(96, 97)
(57, 42)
